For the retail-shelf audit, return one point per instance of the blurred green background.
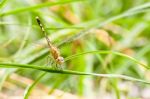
(76, 26)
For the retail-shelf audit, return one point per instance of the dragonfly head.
(60, 60)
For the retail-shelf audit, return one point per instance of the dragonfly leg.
(58, 67)
(50, 61)
(53, 64)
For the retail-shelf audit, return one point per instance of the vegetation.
(105, 45)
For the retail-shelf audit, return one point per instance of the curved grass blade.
(108, 52)
(28, 91)
(144, 6)
(122, 15)
(30, 88)
(4, 77)
(50, 70)
(31, 8)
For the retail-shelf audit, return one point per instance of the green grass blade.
(50, 70)
(30, 88)
(143, 6)
(28, 91)
(108, 52)
(2, 3)
(47, 4)
(122, 15)
(4, 77)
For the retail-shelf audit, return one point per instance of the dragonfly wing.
(40, 45)
(74, 37)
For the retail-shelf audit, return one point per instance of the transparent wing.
(69, 39)
(74, 37)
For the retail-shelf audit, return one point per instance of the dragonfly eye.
(60, 60)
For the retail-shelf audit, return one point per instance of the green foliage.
(99, 39)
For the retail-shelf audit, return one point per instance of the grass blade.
(2, 4)
(70, 72)
(47, 4)
(108, 52)
(30, 88)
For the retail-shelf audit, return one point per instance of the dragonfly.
(52, 48)
(57, 58)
